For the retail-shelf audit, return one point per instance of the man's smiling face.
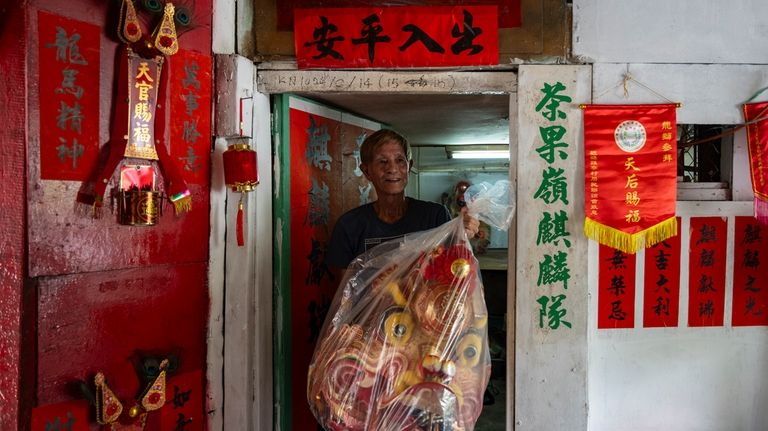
(388, 169)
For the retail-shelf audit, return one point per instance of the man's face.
(388, 169)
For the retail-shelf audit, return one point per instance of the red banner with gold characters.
(630, 174)
(365, 37)
(143, 83)
(756, 115)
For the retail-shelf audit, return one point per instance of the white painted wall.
(710, 93)
(239, 366)
(711, 56)
(704, 379)
(664, 31)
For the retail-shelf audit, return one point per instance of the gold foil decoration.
(460, 268)
(166, 40)
(108, 406)
(139, 208)
(130, 28)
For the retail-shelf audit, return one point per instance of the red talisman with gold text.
(756, 115)
(630, 171)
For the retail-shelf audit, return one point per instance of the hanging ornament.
(138, 152)
(242, 176)
(110, 411)
(130, 29)
(165, 37)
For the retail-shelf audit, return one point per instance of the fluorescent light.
(477, 151)
(479, 154)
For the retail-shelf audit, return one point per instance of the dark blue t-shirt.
(360, 229)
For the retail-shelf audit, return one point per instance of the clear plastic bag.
(405, 343)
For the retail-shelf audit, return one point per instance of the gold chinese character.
(631, 182)
(592, 152)
(141, 111)
(666, 125)
(144, 72)
(666, 147)
(632, 198)
(630, 164)
(667, 158)
(141, 133)
(633, 216)
(143, 91)
(666, 136)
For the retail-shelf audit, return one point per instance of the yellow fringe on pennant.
(630, 242)
(183, 205)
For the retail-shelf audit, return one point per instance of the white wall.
(710, 93)
(664, 31)
(678, 378)
(711, 56)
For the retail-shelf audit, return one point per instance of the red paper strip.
(706, 271)
(385, 37)
(191, 114)
(750, 266)
(757, 145)
(315, 156)
(630, 175)
(510, 11)
(661, 295)
(69, 67)
(616, 289)
(69, 416)
(183, 409)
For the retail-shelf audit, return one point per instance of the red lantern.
(240, 172)
(242, 175)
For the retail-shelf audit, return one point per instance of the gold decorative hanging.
(166, 40)
(130, 29)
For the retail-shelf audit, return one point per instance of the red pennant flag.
(630, 174)
(756, 115)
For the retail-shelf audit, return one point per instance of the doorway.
(432, 120)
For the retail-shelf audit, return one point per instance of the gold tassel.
(183, 205)
(626, 242)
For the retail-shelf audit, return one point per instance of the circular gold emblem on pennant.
(630, 136)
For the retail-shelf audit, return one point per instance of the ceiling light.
(477, 151)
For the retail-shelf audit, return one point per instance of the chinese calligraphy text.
(408, 36)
